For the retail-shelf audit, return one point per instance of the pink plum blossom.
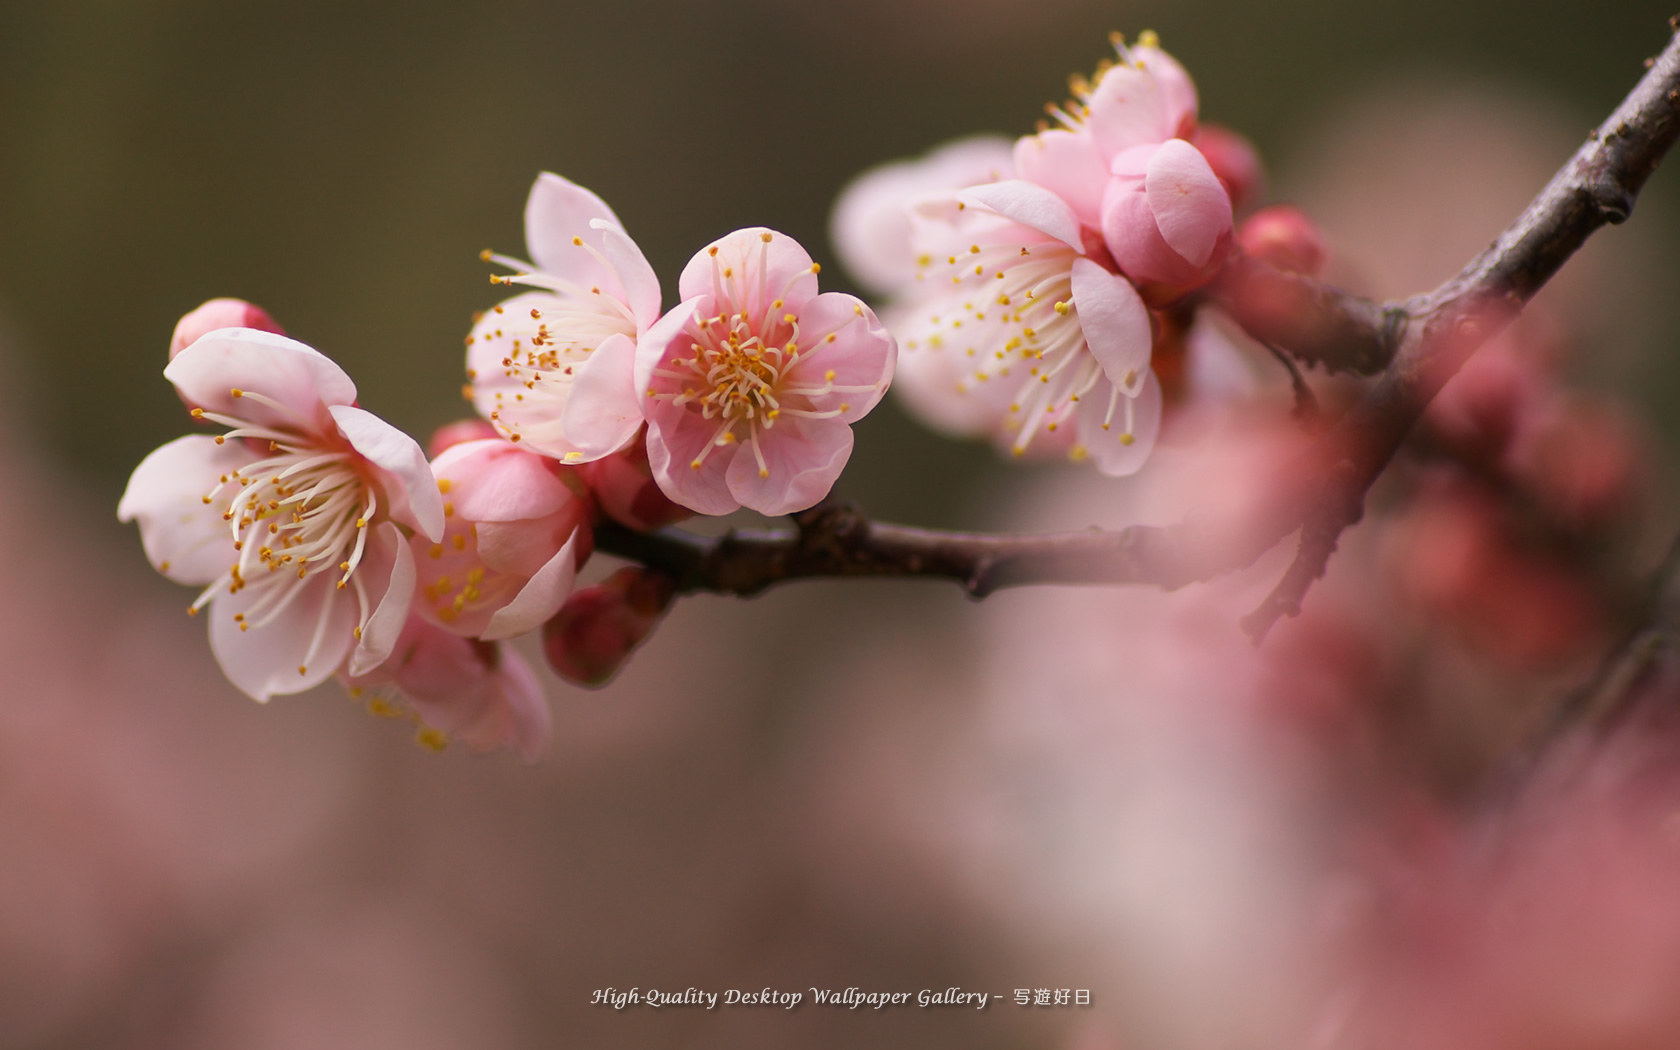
(870, 225)
(297, 532)
(624, 490)
(514, 534)
(750, 386)
(1166, 218)
(1020, 328)
(1144, 99)
(576, 334)
(481, 693)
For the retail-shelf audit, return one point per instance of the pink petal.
(1067, 164)
(264, 661)
(603, 412)
(557, 210)
(661, 342)
(300, 378)
(523, 722)
(409, 483)
(493, 480)
(676, 438)
(1190, 205)
(861, 354)
(1129, 108)
(1113, 318)
(1137, 245)
(540, 598)
(1177, 91)
(630, 266)
(935, 376)
(394, 596)
(522, 548)
(1032, 206)
(1108, 449)
(165, 494)
(802, 458)
(750, 272)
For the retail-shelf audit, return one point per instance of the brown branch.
(1416, 346)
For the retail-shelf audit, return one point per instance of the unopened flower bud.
(458, 433)
(1284, 237)
(220, 313)
(1235, 161)
(598, 628)
(624, 489)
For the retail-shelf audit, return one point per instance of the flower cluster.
(327, 545)
(1025, 276)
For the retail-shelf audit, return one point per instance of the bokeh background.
(833, 784)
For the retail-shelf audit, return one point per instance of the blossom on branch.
(294, 521)
(551, 368)
(750, 386)
(514, 536)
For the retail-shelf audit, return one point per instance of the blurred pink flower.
(870, 224)
(313, 527)
(481, 693)
(514, 534)
(527, 356)
(754, 359)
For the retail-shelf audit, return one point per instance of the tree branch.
(1415, 346)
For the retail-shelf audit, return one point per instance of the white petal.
(265, 661)
(1114, 320)
(417, 502)
(185, 539)
(1029, 205)
(603, 412)
(641, 284)
(284, 370)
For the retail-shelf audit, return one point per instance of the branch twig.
(1414, 347)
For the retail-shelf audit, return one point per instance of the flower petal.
(300, 649)
(656, 345)
(300, 378)
(1114, 320)
(802, 459)
(409, 481)
(603, 412)
(539, 599)
(1137, 419)
(751, 268)
(492, 480)
(557, 210)
(1029, 205)
(676, 438)
(1067, 164)
(1190, 205)
(385, 624)
(630, 266)
(185, 540)
(860, 354)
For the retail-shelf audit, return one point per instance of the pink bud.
(598, 628)
(624, 489)
(220, 313)
(1284, 237)
(1235, 161)
(458, 433)
(1582, 462)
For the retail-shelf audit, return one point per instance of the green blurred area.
(343, 164)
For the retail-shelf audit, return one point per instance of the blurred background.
(897, 789)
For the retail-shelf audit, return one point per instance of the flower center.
(303, 509)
